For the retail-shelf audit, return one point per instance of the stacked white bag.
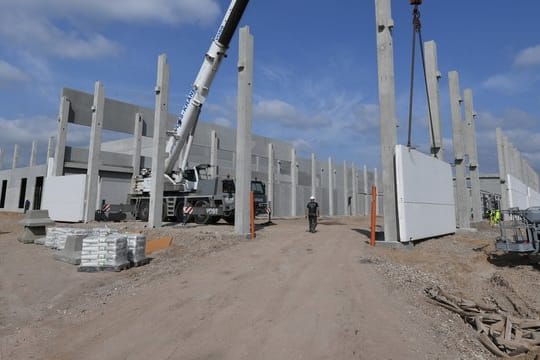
(116, 253)
(56, 236)
(136, 247)
(104, 247)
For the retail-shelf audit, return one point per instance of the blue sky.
(315, 68)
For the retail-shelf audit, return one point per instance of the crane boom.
(179, 141)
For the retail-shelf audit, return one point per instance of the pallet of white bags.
(141, 262)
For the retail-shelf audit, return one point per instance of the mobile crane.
(192, 190)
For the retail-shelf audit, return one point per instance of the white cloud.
(66, 28)
(39, 35)
(10, 73)
(222, 121)
(528, 57)
(285, 114)
(506, 83)
(164, 11)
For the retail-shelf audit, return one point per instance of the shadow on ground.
(379, 235)
(513, 259)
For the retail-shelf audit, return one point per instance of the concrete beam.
(243, 132)
(472, 151)
(158, 144)
(15, 159)
(94, 150)
(137, 137)
(387, 113)
(61, 135)
(462, 194)
(433, 76)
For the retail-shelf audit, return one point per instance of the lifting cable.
(417, 29)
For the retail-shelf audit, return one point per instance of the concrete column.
(354, 182)
(472, 150)
(366, 192)
(502, 169)
(330, 188)
(15, 159)
(1, 159)
(50, 156)
(345, 190)
(94, 150)
(61, 135)
(213, 154)
(50, 147)
(376, 183)
(433, 76)
(243, 132)
(270, 184)
(387, 113)
(137, 137)
(313, 175)
(33, 154)
(462, 211)
(161, 112)
(294, 181)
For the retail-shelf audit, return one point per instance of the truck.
(193, 192)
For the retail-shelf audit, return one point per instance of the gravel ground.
(34, 303)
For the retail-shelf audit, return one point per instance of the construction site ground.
(287, 294)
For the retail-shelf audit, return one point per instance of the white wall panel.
(425, 195)
(533, 198)
(63, 196)
(517, 193)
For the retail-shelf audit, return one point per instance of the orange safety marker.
(373, 214)
(252, 214)
(158, 244)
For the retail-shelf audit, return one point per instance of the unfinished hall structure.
(213, 144)
(340, 188)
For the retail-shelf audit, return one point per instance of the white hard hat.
(312, 197)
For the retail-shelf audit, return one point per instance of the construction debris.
(502, 334)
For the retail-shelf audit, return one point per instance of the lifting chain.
(417, 29)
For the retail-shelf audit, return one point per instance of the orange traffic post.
(373, 214)
(252, 214)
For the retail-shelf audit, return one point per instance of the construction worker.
(312, 213)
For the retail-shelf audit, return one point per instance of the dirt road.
(288, 294)
(300, 296)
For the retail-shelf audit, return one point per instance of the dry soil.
(288, 294)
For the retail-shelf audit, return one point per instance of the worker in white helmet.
(312, 213)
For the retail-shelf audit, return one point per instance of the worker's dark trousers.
(312, 223)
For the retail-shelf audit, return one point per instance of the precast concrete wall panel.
(282, 198)
(533, 197)
(114, 189)
(425, 195)
(63, 196)
(303, 193)
(517, 193)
